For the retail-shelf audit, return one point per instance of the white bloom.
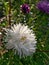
(0, 33)
(21, 38)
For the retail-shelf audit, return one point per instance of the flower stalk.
(9, 13)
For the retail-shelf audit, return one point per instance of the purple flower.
(25, 8)
(43, 6)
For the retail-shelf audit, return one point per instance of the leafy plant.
(40, 22)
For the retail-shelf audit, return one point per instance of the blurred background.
(36, 20)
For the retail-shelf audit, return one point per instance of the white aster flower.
(21, 38)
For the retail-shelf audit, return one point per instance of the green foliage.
(40, 22)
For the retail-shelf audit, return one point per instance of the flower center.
(23, 38)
